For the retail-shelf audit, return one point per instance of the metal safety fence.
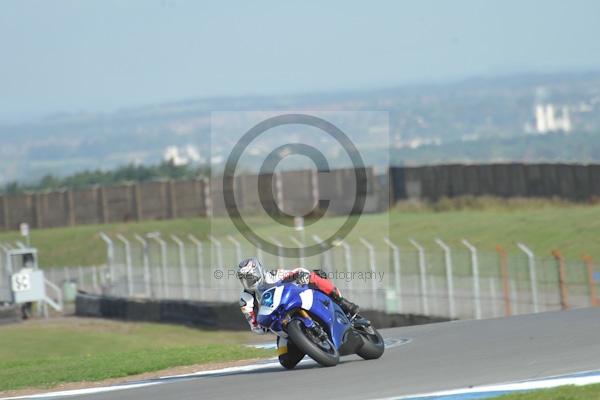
(455, 280)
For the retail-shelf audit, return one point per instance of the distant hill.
(472, 120)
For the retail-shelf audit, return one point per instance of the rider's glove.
(303, 278)
(298, 275)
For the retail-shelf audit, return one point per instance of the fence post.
(137, 198)
(217, 244)
(103, 274)
(492, 283)
(182, 266)
(163, 261)
(422, 276)
(300, 250)
(145, 264)
(589, 264)
(562, 282)
(219, 248)
(70, 207)
(102, 205)
(238, 247)
(505, 279)
(279, 253)
(279, 191)
(475, 272)
(4, 259)
(125, 242)
(38, 213)
(4, 211)
(348, 260)
(372, 264)
(449, 277)
(208, 204)
(532, 276)
(397, 275)
(80, 277)
(327, 265)
(110, 255)
(171, 199)
(314, 183)
(199, 261)
(95, 280)
(514, 297)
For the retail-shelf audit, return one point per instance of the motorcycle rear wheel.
(303, 340)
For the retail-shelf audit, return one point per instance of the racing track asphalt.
(440, 356)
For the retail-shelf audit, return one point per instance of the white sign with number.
(21, 282)
(24, 227)
(28, 285)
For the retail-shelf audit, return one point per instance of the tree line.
(126, 173)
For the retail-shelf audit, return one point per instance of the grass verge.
(43, 354)
(542, 225)
(589, 392)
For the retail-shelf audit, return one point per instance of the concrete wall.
(296, 192)
(569, 181)
(298, 188)
(188, 198)
(86, 206)
(96, 205)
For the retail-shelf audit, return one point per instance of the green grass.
(589, 392)
(543, 225)
(571, 229)
(47, 353)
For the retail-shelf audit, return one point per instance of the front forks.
(301, 315)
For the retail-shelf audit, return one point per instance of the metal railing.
(455, 280)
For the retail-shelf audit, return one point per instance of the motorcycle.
(316, 324)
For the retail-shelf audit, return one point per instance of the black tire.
(292, 357)
(296, 332)
(373, 345)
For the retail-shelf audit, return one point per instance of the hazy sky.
(69, 56)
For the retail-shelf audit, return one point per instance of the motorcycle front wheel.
(321, 350)
(373, 345)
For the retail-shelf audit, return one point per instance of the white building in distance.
(547, 120)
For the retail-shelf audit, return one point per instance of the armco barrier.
(200, 314)
(203, 314)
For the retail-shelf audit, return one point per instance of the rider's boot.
(347, 306)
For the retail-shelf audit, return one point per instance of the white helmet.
(250, 273)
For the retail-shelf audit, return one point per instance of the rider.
(252, 275)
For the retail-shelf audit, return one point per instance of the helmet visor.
(249, 279)
(250, 274)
